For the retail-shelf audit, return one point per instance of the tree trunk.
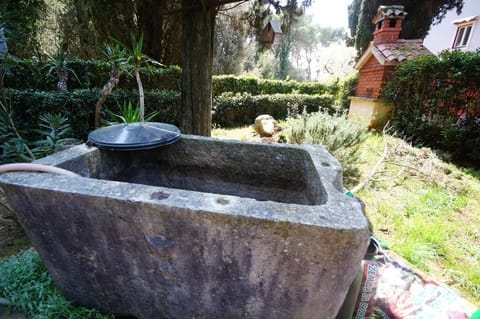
(62, 80)
(164, 30)
(141, 97)
(197, 67)
(106, 91)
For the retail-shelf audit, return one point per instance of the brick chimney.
(388, 24)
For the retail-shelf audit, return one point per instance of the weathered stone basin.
(202, 228)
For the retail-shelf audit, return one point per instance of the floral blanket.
(392, 289)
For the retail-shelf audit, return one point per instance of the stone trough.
(202, 228)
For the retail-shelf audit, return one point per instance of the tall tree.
(421, 15)
(93, 23)
(231, 46)
(197, 66)
(307, 38)
(197, 59)
(159, 21)
(20, 18)
(90, 24)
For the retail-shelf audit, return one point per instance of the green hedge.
(28, 74)
(437, 102)
(347, 88)
(232, 110)
(237, 100)
(258, 86)
(229, 109)
(79, 107)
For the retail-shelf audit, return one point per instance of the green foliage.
(55, 132)
(129, 114)
(20, 18)
(87, 24)
(241, 109)
(231, 49)
(257, 86)
(25, 282)
(135, 61)
(14, 147)
(53, 136)
(28, 74)
(347, 87)
(59, 64)
(437, 102)
(427, 214)
(341, 137)
(79, 107)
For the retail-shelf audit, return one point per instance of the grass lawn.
(427, 211)
(424, 209)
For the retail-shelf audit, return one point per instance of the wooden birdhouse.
(272, 33)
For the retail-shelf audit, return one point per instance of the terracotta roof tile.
(401, 50)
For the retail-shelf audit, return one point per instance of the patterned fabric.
(392, 289)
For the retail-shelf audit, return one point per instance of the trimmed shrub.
(79, 106)
(230, 110)
(437, 102)
(258, 86)
(29, 74)
(237, 100)
(346, 89)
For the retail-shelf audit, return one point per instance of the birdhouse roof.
(276, 27)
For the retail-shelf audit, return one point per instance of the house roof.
(393, 53)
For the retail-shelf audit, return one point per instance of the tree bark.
(106, 91)
(141, 97)
(197, 66)
(164, 30)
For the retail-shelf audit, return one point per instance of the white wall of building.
(441, 36)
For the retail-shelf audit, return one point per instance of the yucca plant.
(14, 147)
(58, 63)
(136, 62)
(55, 130)
(129, 114)
(117, 56)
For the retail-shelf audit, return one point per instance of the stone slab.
(196, 229)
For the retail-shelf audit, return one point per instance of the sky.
(330, 13)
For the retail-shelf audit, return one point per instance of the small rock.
(265, 125)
